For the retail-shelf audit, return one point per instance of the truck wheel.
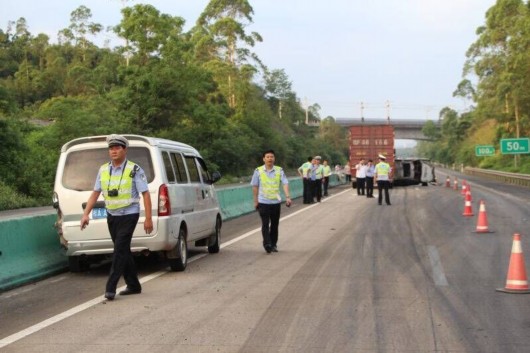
(180, 262)
(78, 263)
(216, 237)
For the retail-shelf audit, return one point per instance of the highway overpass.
(404, 129)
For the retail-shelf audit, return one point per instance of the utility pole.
(387, 106)
(306, 106)
(362, 111)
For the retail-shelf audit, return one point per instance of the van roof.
(153, 141)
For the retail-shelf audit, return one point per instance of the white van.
(185, 206)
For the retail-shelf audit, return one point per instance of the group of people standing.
(365, 174)
(315, 179)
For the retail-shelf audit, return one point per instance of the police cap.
(117, 140)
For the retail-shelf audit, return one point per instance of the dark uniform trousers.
(383, 185)
(360, 185)
(121, 230)
(270, 219)
(369, 186)
(307, 191)
(317, 190)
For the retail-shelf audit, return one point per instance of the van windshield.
(81, 167)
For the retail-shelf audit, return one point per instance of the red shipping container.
(369, 141)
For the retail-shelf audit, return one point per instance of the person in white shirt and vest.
(303, 171)
(327, 173)
(382, 176)
(266, 182)
(121, 181)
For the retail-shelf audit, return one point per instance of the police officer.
(121, 181)
(382, 173)
(303, 171)
(266, 182)
(326, 169)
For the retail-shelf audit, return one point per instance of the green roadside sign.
(484, 150)
(515, 146)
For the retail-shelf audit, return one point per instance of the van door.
(211, 204)
(199, 216)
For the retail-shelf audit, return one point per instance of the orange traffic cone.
(468, 196)
(455, 184)
(468, 212)
(464, 188)
(482, 221)
(516, 281)
(448, 182)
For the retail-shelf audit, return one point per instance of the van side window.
(203, 170)
(192, 169)
(169, 168)
(180, 168)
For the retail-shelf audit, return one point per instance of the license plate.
(98, 213)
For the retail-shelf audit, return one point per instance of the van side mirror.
(215, 177)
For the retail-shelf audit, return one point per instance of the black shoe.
(274, 249)
(109, 295)
(268, 249)
(389, 204)
(129, 291)
(379, 204)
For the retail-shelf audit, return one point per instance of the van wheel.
(78, 263)
(216, 237)
(181, 249)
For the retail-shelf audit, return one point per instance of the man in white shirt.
(360, 176)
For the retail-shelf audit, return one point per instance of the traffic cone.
(468, 212)
(455, 184)
(482, 221)
(464, 188)
(468, 196)
(448, 182)
(516, 281)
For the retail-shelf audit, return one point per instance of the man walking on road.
(265, 183)
(382, 175)
(121, 181)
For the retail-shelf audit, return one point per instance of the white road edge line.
(77, 309)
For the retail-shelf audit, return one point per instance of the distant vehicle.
(185, 205)
(410, 171)
(369, 141)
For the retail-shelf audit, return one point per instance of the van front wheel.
(215, 239)
(178, 259)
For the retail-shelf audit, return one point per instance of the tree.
(278, 86)
(217, 33)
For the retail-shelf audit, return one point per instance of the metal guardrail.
(504, 177)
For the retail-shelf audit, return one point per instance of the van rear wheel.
(216, 237)
(180, 261)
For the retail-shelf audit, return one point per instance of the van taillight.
(164, 206)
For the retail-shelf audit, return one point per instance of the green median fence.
(30, 248)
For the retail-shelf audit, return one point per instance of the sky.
(369, 58)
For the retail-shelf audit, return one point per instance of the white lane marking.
(437, 268)
(64, 315)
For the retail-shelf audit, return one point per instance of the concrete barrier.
(30, 248)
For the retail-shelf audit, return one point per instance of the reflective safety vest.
(382, 169)
(270, 186)
(305, 168)
(122, 182)
(327, 170)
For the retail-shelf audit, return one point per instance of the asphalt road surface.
(350, 276)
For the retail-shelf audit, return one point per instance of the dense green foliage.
(497, 80)
(204, 87)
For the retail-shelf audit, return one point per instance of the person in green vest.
(382, 176)
(266, 185)
(303, 171)
(327, 173)
(121, 182)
